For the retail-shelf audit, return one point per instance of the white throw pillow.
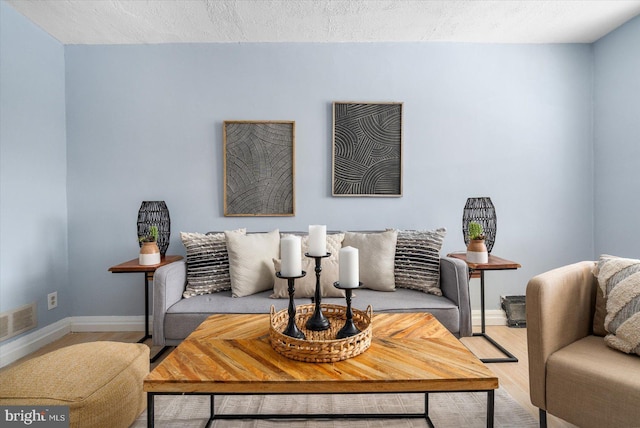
(376, 258)
(619, 280)
(306, 286)
(251, 261)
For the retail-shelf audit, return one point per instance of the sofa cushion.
(187, 314)
(405, 300)
(588, 374)
(619, 281)
(251, 261)
(207, 263)
(376, 257)
(417, 261)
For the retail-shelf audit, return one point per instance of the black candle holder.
(349, 328)
(318, 322)
(292, 329)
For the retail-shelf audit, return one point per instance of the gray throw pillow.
(207, 263)
(417, 263)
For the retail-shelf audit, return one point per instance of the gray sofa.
(175, 317)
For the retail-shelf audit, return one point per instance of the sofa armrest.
(454, 283)
(559, 311)
(168, 284)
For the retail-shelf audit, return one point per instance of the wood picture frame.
(367, 149)
(259, 168)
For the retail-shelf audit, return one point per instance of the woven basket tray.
(321, 346)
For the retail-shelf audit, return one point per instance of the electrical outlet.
(52, 300)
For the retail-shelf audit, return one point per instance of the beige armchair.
(573, 374)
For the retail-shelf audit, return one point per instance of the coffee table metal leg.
(212, 412)
(426, 410)
(150, 410)
(490, 407)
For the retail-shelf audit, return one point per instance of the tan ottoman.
(101, 382)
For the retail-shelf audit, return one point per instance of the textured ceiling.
(230, 21)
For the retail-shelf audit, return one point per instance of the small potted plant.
(149, 252)
(476, 250)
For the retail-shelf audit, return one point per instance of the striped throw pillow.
(619, 280)
(207, 263)
(417, 262)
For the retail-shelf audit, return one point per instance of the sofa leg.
(543, 418)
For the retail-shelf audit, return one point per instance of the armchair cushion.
(588, 374)
(619, 281)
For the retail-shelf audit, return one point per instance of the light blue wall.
(617, 141)
(513, 122)
(33, 169)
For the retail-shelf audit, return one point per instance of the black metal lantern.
(155, 213)
(482, 211)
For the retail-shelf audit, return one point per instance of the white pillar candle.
(349, 270)
(291, 256)
(318, 240)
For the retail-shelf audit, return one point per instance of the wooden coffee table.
(231, 354)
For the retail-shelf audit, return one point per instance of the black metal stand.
(510, 358)
(292, 329)
(349, 328)
(318, 322)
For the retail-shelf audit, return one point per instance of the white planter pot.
(477, 257)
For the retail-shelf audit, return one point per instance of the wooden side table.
(148, 270)
(494, 263)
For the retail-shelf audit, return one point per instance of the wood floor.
(514, 377)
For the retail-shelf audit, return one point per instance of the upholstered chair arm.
(559, 306)
(168, 284)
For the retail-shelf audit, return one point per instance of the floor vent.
(17, 321)
(515, 307)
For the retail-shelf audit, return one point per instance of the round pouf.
(101, 382)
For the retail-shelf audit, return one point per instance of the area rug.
(447, 410)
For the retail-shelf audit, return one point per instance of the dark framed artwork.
(259, 168)
(367, 149)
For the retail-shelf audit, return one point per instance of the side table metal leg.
(510, 358)
(146, 309)
(159, 354)
(482, 313)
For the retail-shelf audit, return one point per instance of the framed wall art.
(259, 168)
(367, 149)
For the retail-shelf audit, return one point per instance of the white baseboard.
(35, 340)
(492, 317)
(108, 323)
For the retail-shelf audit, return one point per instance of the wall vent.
(4, 327)
(18, 321)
